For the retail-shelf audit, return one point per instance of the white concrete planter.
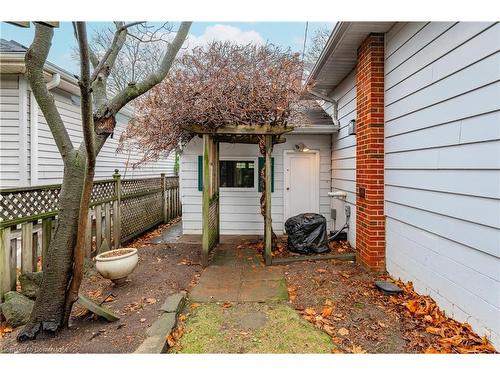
(116, 267)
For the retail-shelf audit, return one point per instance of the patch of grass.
(359, 305)
(214, 329)
(283, 290)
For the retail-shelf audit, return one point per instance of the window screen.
(237, 173)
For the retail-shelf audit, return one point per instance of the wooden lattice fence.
(120, 210)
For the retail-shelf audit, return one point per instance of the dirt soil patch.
(247, 328)
(340, 298)
(360, 319)
(116, 253)
(162, 270)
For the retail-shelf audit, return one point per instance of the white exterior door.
(301, 183)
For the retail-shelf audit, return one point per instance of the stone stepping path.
(238, 275)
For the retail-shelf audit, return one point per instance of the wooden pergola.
(254, 134)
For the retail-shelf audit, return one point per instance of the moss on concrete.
(211, 328)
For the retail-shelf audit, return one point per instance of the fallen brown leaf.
(4, 329)
(94, 293)
(109, 298)
(356, 349)
(175, 335)
(337, 340)
(310, 311)
(343, 331)
(326, 311)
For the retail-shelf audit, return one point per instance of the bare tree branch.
(85, 90)
(135, 90)
(116, 44)
(127, 25)
(317, 42)
(93, 58)
(140, 54)
(222, 83)
(35, 59)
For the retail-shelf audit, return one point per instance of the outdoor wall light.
(301, 147)
(351, 129)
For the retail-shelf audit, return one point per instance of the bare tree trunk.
(47, 315)
(88, 138)
(63, 275)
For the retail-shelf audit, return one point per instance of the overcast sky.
(285, 34)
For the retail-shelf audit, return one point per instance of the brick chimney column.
(370, 219)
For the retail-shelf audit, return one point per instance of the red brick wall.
(370, 220)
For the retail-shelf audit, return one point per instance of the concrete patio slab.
(237, 274)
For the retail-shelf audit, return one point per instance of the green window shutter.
(200, 173)
(261, 166)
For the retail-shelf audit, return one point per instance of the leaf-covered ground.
(333, 307)
(162, 270)
(340, 298)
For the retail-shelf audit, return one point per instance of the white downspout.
(335, 114)
(23, 132)
(53, 83)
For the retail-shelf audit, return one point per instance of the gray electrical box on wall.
(333, 214)
(351, 128)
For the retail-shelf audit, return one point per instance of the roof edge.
(336, 36)
(13, 63)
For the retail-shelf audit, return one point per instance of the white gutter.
(337, 34)
(52, 84)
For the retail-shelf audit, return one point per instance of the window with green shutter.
(236, 177)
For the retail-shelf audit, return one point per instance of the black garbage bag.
(307, 234)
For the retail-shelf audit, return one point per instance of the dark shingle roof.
(11, 46)
(310, 113)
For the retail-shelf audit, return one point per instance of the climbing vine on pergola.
(222, 92)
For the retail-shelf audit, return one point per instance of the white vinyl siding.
(442, 166)
(48, 163)
(9, 130)
(240, 210)
(344, 154)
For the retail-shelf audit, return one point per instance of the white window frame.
(255, 172)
